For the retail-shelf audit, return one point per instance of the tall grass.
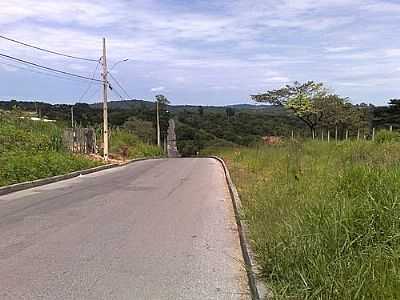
(31, 150)
(121, 138)
(324, 219)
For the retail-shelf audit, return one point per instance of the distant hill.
(136, 103)
(125, 104)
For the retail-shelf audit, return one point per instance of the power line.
(46, 50)
(35, 71)
(115, 91)
(120, 86)
(90, 83)
(95, 92)
(48, 68)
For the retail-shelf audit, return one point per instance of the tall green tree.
(163, 103)
(300, 98)
(338, 112)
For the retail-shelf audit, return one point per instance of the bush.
(387, 136)
(121, 139)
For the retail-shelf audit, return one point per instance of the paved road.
(158, 229)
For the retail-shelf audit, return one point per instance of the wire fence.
(338, 134)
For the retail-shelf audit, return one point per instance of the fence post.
(336, 135)
(329, 136)
(373, 134)
(313, 134)
(292, 135)
(347, 134)
(358, 134)
(322, 135)
(391, 128)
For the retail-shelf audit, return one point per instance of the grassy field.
(31, 150)
(324, 219)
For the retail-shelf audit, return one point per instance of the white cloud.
(392, 52)
(279, 79)
(339, 49)
(231, 43)
(157, 89)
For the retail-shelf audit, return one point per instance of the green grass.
(31, 150)
(136, 147)
(324, 219)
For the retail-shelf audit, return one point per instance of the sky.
(203, 52)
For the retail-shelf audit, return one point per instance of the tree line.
(301, 106)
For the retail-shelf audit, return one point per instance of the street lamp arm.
(117, 63)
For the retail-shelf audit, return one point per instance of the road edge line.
(8, 189)
(258, 289)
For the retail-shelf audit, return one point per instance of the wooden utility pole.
(158, 126)
(105, 111)
(72, 116)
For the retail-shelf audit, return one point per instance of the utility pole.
(105, 112)
(72, 116)
(158, 126)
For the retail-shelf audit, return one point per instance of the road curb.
(257, 288)
(43, 181)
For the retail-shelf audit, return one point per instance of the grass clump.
(387, 136)
(324, 218)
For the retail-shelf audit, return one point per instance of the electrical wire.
(92, 94)
(46, 50)
(90, 83)
(48, 68)
(120, 86)
(116, 92)
(35, 71)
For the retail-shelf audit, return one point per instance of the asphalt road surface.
(156, 229)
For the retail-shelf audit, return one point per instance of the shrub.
(387, 136)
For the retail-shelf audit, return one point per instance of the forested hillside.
(198, 126)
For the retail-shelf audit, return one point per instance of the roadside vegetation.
(31, 150)
(126, 144)
(323, 217)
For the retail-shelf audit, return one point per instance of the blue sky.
(205, 52)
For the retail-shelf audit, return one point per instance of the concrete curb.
(257, 288)
(43, 181)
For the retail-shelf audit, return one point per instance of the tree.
(163, 103)
(340, 113)
(201, 111)
(230, 112)
(299, 98)
(143, 129)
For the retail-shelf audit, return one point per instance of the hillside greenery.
(203, 126)
(31, 150)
